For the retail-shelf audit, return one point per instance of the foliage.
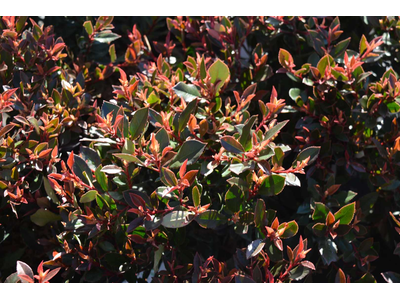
(157, 149)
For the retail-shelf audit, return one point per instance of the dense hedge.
(199, 149)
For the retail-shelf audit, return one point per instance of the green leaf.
(91, 157)
(345, 214)
(188, 92)
(284, 57)
(311, 152)
(254, 248)
(320, 212)
(294, 93)
(266, 153)
(274, 130)
(113, 55)
(185, 115)
(219, 71)
(168, 177)
(21, 23)
(88, 27)
(363, 44)
(324, 62)
(162, 138)
(108, 107)
(241, 167)
(49, 190)
(234, 198)
(196, 196)
(291, 230)
(211, 219)
(106, 37)
(259, 213)
(139, 122)
(190, 150)
(340, 48)
(101, 178)
(272, 185)
(153, 99)
(177, 219)
(328, 249)
(81, 166)
(246, 137)
(43, 216)
(231, 145)
(127, 157)
(89, 196)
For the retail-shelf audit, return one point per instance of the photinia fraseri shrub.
(199, 149)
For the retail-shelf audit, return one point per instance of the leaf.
(272, 185)
(241, 167)
(113, 55)
(340, 48)
(108, 107)
(43, 216)
(177, 219)
(101, 178)
(320, 212)
(91, 157)
(190, 150)
(106, 37)
(162, 138)
(231, 145)
(275, 130)
(254, 248)
(138, 122)
(81, 166)
(294, 93)
(211, 219)
(291, 230)
(311, 152)
(88, 27)
(185, 115)
(391, 277)
(346, 214)
(285, 58)
(21, 23)
(6, 129)
(245, 138)
(49, 190)
(219, 71)
(234, 198)
(135, 223)
(259, 213)
(340, 276)
(188, 92)
(111, 169)
(328, 249)
(323, 64)
(196, 196)
(88, 197)
(127, 157)
(13, 278)
(24, 269)
(299, 272)
(168, 177)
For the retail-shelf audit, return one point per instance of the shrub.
(199, 149)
